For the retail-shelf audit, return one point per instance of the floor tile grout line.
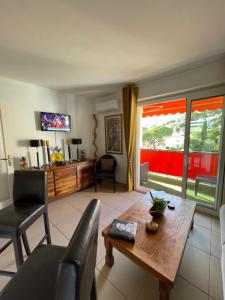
(74, 208)
(140, 292)
(193, 285)
(59, 230)
(202, 226)
(209, 253)
(216, 231)
(120, 211)
(107, 279)
(198, 248)
(210, 260)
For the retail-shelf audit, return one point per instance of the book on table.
(122, 229)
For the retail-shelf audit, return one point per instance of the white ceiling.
(73, 44)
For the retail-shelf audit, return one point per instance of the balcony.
(165, 171)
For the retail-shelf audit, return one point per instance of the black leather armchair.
(29, 203)
(59, 273)
(105, 169)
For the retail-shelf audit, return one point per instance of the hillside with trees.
(205, 131)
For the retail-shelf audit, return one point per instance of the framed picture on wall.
(113, 134)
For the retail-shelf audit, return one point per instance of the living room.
(80, 60)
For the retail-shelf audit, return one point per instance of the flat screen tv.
(55, 122)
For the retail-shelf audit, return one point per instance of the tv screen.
(55, 122)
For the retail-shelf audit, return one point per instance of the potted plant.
(159, 205)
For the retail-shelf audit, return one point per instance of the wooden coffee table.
(159, 253)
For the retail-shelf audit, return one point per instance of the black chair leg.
(47, 229)
(114, 184)
(25, 242)
(96, 185)
(18, 251)
(93, 290)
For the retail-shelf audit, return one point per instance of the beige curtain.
(130, 95)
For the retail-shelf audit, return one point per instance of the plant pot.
(156, 213)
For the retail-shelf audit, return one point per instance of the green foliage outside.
(204, 133)
(206, 137)
(154, 137)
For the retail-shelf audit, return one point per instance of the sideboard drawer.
(64, 172)
(51, 185)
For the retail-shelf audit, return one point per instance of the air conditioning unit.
(107, 106)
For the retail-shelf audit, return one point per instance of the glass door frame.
(9, 169)
(220, 172)
(189, 95)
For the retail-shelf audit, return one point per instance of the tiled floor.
(199, 277)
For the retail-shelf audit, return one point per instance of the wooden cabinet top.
(72, 164)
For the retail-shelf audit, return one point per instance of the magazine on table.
(123, 229)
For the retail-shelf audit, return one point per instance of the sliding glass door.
(204, 150)
(162, 145)
(181, 148)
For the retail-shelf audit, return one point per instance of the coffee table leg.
(192, 223)
(164, 290)
(109, 258)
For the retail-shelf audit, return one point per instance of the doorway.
(181, 148)
(162, 145)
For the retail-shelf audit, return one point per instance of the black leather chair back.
(106, 156)
(30, 186)
(77, 268)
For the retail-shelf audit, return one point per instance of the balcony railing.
(171, 162)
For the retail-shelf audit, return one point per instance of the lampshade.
(36, 143)
(76, 141)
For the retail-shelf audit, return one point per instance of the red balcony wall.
(171, 162)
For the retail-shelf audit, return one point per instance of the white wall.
(121, 174)
(205, 74)
(20, 104)
(81, 110)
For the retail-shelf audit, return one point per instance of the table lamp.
(37, 144)
(77, 142)
(69, 142)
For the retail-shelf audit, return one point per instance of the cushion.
(37, 277)
(107, 164)
(14, 217)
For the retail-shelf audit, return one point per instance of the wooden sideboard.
(63, 180)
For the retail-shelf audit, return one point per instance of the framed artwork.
(113, 134)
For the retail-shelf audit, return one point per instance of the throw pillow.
(107, 164)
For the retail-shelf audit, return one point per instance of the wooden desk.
(159, 253)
